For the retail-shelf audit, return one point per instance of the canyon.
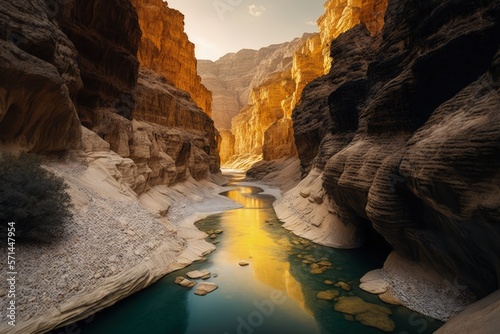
(256, 91)
(383, 128)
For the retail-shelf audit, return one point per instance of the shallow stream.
(275, 293)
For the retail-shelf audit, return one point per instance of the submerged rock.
(376, 320)
(366, 313)
(343, 285)
(184, 282)
(328, 294)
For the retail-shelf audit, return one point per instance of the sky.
(218, 27)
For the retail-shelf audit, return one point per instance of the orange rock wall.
(166, 49)
(342, 15)
(260, 127)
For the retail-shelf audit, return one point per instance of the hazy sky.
(218, 27)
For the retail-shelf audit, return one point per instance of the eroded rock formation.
(39, 75)
(166, 49)
(406, 131)
(73, 62)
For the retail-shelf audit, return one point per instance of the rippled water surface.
(276, 293)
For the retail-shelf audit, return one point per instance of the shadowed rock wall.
(406, 129)
(68, 63)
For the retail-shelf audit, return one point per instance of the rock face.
(405, 128)
(341, 16)
(248, 85)
(77, 65)
(264, 125)
(166, 49)
(232, 77)
(39, 76)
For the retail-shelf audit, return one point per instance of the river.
(275, 293)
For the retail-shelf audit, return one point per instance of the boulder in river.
(205, 288)
(198, 274)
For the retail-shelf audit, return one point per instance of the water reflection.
(249, 240)
(276, 293)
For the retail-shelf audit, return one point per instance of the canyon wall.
(150, 121)
(404, 135)
(263, 125)
(81, 69)
(39, 75)
(166, 49)
(233, 80)
(135, 149)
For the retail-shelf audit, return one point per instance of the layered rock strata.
(264, 125)
(405, 130)
(166, 49)
(39, 75)
(142, 116)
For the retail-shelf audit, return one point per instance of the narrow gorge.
(345, 181)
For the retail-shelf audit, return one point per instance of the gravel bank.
(115, 246)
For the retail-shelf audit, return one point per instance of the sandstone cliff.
(166, 49)
(403, 133)
(264, 126)
(39, 75)
(232, 77)
(113, 94)
(135, 149)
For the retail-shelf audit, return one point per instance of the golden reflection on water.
(253, 244)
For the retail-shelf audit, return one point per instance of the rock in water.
(205, 288)
(182, 281)
(376, 287)
(198, 274)
(328, 294)
(343, 285)
(244, 263)
(366, 313)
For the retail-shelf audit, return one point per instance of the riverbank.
(118, 244)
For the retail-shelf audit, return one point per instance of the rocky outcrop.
(139, 113)
(166, 49)
(106, 55)
(226, 149)
(341, 15)
(168, 107)
(406, 131)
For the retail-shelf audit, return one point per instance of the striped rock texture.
(406, 130)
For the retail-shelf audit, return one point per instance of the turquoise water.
(276, 293)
